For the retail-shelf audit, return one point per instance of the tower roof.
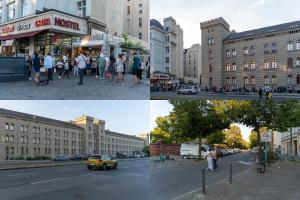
(157, 24)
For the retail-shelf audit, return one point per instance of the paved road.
(174, 179)
(67, 89)
(130, 181)
(212, 96)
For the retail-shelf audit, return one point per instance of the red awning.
(20, 35)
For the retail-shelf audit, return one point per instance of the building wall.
(158, 50)
(192, 64)
(132, 15)
(286, 144)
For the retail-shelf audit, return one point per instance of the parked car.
(79, 157)
(190, 150)
(187, 90)
(61, 158)
(101, 162)
(230, 151)
(120, 155)
(224, 152)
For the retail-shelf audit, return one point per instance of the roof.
(266, 30)
(111, 133)
(38, 118)
(157, 24)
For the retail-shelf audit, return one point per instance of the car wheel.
(104, 168)
(89, 167)
(115, 166)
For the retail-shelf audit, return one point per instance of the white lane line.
(245, 163)
(24, 174)
(45, 181)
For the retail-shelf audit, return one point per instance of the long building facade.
(252, 59)
(192, 64)
(25, 135)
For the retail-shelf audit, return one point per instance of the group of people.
(102, 66)
(212, 158)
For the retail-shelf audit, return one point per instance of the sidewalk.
(281, 181)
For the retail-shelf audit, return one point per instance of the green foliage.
(38, 158)
(127, 44)
(146, 150)
(216, 138)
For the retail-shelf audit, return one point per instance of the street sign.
(267, 137)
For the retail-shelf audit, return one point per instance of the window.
(6, 126)
(140, 36)
(25, 7)
(252, 50)
(234, 67)
(246, 66)
(167, 39)
(210, 55)
(246, 80)
(140, 22)
(274, 64)
(167, 60)
(290, 46)
(233, 53)
(81, 7)
(210, 68)
(266, 78)
(266, 48)
(298, 62)
(11, 138)
(11, 11)
(274, 80)
(252, 65)
(246, 51)
(290, 79)
(228, 81)
(210, 41)
(298, 45)
(266, 64)
(227, 68)
(228, 54)
(290, 62)
(167, 49)
(12, 127)
(253, 81)
(274, 48)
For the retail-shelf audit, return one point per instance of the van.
(190, 150)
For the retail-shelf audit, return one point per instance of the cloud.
(258, 3)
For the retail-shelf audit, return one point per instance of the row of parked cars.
(85, 157)
(226, 152)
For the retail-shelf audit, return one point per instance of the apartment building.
(192, 64)
(291, 136)
(28, 135)
(137, 19)
(252, 59)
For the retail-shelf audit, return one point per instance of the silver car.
(187, 90)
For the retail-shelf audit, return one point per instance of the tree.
(233, 137)
(253, 137)
(146, 150)
(216, 138)
(162, 131)
(195, 119)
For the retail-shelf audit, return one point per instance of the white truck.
(190, 150)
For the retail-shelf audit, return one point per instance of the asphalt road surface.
(174, 179)
(213, 96)
(130, 181)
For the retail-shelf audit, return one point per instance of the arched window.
(290, 62)
(228, 81)
(233, 53)
(233, 81)
(290, 79)
(266, 48)
(274, 80)
(246, 51)
(252, 65)
(227, 68)
(228, 55)
(252, 50)
(210, 55)
(290, 46)
(246, 80)
(274, 64)
(246, 66)
(234, 67)
(6, 126)
(266, 78)
(253, 81)
(266, 64)
(274, 47)
(298, 62)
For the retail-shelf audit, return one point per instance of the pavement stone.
(67, 89)
(281, 181)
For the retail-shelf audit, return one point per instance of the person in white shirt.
(81, 63)
(76, 65)
(66, 65)
(48, 64)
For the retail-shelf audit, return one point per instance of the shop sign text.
(66, 24)
(43, 22)
(24, 26)
(8, 29)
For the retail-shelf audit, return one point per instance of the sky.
(163, 108)
(242, 15)
(128, 117)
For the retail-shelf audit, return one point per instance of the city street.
(214, 96)
(67, 89)
(175, 179)
(130, 181)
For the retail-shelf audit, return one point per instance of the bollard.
(230, 174)
(203, 181)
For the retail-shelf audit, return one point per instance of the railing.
(13, 69)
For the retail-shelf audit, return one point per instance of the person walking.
(81, 59)
(120, 68)
(48, 64)
(29, 66)
(36, 64)
(101, 66)
(210, 162)
(66, 65)
(111, 68)
(260, 93)
(142, 67)
(124, 65)
(88, 64)
(135, 68)
(75, 65)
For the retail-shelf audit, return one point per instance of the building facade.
(192, 64)
(136, 21)
(286, 142)
(24, 135)
(251, 59)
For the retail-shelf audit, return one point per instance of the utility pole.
(291, 141)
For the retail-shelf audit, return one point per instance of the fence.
(13, 69)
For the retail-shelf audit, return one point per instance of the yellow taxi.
(101, 162)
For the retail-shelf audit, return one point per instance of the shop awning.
(20, 35)
(88, 43)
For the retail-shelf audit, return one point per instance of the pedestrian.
(101, 66)
(29, 66)
(60, 67)
(141, 69)
(75, 61)
(260, 92)
(120, 68)
(162, 158)
(88, 64)
(124, 65)
(216, 157)
(36, 64)
(111, 68)
(135, 68)
(210, 162)
(82, 60)
(66, 65)
(48, 64)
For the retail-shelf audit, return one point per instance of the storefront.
(49, 32)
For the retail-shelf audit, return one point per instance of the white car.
(187, 90)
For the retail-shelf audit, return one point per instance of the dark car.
(61, 158)
(79, 157)
(120, 155)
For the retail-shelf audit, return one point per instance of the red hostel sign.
(58, 22)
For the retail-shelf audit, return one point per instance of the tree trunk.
(260, 153)
(200, 145)
(272, 141)
(291, 140)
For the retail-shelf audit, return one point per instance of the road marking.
(45, 181)
(245, 163)
(24, 174)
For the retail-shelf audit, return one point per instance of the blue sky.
(128, 117)
(163, 108)
(242, 15)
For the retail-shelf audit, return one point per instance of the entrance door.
(295, 148)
